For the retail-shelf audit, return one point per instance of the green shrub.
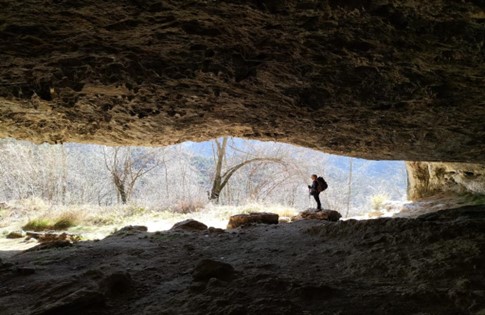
(63, 224)
(66, 220)
(37, 225)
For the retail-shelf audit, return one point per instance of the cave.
(376, 79)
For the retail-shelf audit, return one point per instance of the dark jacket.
(314, 188)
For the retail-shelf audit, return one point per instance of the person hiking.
(314, 191)
(318, 185)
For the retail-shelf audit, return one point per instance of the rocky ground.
(434, 264)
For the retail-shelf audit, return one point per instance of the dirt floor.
(434, 264)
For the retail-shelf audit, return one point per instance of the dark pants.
(317, 199)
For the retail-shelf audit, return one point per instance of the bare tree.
(127, 166)
(221, 178)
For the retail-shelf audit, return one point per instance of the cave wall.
(427, 179)
(379, 79)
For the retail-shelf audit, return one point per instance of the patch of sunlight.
(212, 215)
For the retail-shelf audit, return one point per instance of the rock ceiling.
(376, 79)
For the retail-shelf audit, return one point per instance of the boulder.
(189, 225)
(16, 234)
(311, 214)
(254, 217)
(208, 268)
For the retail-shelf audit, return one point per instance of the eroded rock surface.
(427, 179)
(430, 265)
(377, 79)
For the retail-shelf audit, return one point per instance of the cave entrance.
(95, 189)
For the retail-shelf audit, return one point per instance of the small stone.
(208, 268)
(16, 234)
(254, 217)
(189, 225)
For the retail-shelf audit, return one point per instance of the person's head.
(314, 177)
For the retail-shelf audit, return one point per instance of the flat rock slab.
(189, 225)
(254, 217)
(310, 214)
(45, 237)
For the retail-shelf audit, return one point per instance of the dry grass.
(66, 220)
(378, 201)
(188, 206)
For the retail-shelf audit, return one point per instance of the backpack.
(322, 184)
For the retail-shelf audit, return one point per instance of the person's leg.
(317, 199)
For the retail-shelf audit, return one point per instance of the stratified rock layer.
(371, 78)
(427, 179)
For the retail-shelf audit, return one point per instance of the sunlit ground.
(96, 223)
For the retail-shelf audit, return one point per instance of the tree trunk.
(217, 183)
(221, 179)
(120, 187)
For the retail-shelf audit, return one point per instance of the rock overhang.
(374, 79)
